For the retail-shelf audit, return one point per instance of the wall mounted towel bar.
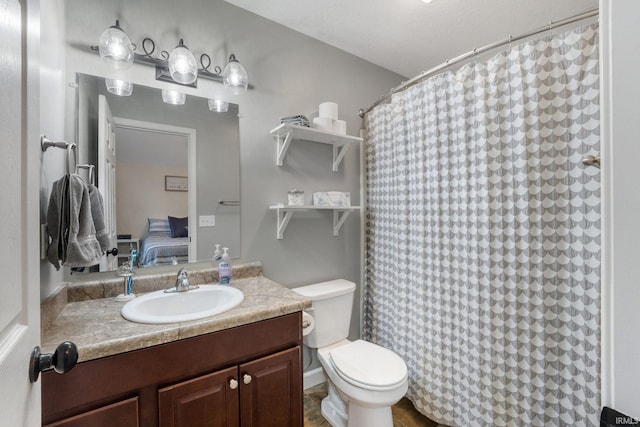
(45, 143)
(91, 169)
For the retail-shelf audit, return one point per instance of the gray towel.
(71, 226)
(97, 213)
(57, 217)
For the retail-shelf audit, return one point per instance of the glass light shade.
(182, 65)
(173, 97)
(235, 77)
(218, 105)
(115, 48)
(119, 87)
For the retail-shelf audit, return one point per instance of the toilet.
(364, 379)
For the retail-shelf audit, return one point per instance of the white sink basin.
(161, 307)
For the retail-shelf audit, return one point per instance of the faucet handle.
(182, 282)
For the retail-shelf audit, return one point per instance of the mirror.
(173, 190)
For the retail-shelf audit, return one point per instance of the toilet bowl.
(368, 378)
(364, 379)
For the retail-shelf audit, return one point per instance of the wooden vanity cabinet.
(248, 376)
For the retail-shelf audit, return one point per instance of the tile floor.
(404, 414)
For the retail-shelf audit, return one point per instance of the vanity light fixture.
(119, 87)
(173, 97)
(180, 66)
(218, 105)
(115, 47)
(235, 76)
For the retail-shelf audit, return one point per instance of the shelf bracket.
(339, 152)
(339, 217)
(284, 216)
(283, 142)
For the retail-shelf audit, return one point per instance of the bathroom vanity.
(239, 368)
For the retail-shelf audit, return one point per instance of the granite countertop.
(98, 329)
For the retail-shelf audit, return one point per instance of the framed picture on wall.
(176, 183)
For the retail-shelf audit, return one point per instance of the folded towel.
(70, 225)
(57, 217)
(83, 249)
(97, 213)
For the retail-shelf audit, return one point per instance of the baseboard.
(313, 377)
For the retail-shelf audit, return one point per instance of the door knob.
(246, 378)
(233, 384)
(113, 252)
(62, 360)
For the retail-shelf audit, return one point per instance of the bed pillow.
(179, 226)
(157, 225)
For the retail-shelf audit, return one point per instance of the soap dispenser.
(224, 268)
(217, 255)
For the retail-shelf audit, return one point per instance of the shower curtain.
(482, 261)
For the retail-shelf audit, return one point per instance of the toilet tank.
(331, 304)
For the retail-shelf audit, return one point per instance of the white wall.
(620, 43)
(135, 206)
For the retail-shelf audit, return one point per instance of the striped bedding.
(159, 248)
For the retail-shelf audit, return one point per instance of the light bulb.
(173, 97)
(116, 48)
(235, 77)
(182, 65)
(218, 105)
(119, 87)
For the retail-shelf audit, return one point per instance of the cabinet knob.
(246, 378)
(233, 384)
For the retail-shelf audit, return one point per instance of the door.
(19, 210)
(107, 177)
(271, 391)
(207, 401)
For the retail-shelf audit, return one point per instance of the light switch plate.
(207, 220)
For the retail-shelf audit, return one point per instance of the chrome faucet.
(182, 283)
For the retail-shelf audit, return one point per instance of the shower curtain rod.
(450, 62)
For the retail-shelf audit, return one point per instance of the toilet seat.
(368, 366)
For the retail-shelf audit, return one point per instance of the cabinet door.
(122, 414)
(207, 401)
(271, 391)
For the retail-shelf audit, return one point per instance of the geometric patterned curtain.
(483, 236)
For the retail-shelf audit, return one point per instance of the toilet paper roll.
(307, 323)
(340, 126)
(328, 110)
(323, 123)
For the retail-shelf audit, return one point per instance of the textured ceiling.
(410, 36)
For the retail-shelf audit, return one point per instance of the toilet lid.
(368, 365)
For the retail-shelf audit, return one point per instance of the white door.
(19, 210)
(107, 177)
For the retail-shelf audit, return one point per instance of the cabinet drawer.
(121, 414)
